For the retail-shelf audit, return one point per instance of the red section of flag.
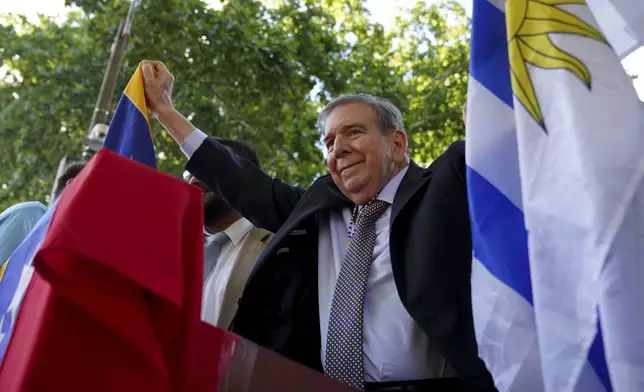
(115, 302)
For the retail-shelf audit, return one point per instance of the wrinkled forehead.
(350, 114)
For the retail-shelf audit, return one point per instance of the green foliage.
(435, 60)
(253, 70)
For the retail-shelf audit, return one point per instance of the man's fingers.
(148, 71)
(160, 67)
(160, 70)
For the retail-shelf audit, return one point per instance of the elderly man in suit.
(232, 247)
(368, 276)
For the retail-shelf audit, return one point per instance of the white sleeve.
(192, 142)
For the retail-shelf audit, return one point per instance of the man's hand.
(158, 87)
(158, 82)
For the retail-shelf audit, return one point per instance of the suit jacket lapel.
(323, 195)
(242, 266)
(414, 179)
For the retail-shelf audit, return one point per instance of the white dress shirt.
(217, 280)
(395, 347)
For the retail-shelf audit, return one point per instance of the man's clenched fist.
(158, 86)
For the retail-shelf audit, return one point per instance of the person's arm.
(175, 123)
(264, 201)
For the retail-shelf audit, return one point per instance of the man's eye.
(329, 145)
(354, 132)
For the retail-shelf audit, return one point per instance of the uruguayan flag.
(622, 22)
(555, 154)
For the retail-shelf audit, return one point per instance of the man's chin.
(215, 210)
(358, 192)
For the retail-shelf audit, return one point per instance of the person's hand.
(158, 86)
(157, 83)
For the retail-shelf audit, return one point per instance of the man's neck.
(224, 222)
(396, 170)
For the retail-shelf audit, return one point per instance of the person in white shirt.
(368, 276)
(232, 246)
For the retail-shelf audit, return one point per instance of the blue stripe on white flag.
(597, 359)
(499, 236)
(489, 63)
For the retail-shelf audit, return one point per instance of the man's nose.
(341, 146)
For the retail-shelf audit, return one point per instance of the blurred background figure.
(70, 172)
(18, 220)
(15, 223)
(232, 247)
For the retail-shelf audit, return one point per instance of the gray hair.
(388, 114)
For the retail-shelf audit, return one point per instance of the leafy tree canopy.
(254, 70)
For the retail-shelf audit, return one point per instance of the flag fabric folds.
(130, 132)
(622, 21)
(555, 156)
(114, 303)
(129, 135)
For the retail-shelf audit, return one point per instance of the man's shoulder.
(451, 162)
(457, 148)
(321, 180)
(24, 211)
(321, 183)
(455, 152)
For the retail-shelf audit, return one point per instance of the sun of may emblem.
(529, 23)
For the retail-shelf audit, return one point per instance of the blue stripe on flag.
(499, 237)
(489, 63)
(129, 133)
(597, 359)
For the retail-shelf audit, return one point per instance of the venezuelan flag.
(130, 132)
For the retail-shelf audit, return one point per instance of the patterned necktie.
(344, 359)
(212, 252)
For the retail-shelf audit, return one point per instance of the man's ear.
(400, 145)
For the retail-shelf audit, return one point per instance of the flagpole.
(99, 123)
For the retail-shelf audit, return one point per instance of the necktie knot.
(370, 213)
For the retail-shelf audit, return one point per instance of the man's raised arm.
(264, 201)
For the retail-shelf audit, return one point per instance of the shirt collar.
(389, 191)
(238, 230)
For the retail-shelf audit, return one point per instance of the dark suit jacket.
(430, 245)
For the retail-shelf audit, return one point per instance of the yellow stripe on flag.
(135, 92)
(3, 268)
